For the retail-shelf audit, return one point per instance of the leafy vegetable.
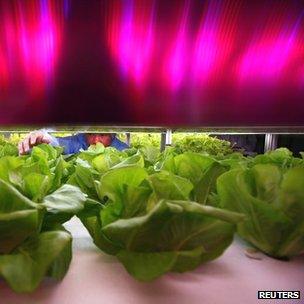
(33, 204)
(273, 201)
(8, 149)
(150, 224)
(155, 211)
(19, 217)
(47, 253)
(32, 244)
(173, 236)
(281, 157)
(140, 140)
(201, 143)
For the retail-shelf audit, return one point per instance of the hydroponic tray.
(95, 278)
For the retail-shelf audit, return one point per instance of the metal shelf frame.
(158, 129)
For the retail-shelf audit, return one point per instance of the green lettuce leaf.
(19, 217)
(46, 253)
(63, 203)
(272, 200)
(173, 236)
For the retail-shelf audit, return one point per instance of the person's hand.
(33, 139)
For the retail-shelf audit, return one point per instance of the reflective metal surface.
(156, 129)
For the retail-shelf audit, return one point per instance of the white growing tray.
(97, 278)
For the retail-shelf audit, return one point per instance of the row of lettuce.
(182, 142)
(156, 212)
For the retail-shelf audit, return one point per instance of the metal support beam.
(162, 141)
(271, 142)
(128, 138)
(168, 137)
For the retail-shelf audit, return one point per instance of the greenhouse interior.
(151, 152)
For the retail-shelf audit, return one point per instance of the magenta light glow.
(301, 77)
(196, 60)
(31, 41)
(214, 41)
(159, 62)
(3, 72)
(219, 44)
(267, 59)
(39, 43)
(130, 38)
(176, 62)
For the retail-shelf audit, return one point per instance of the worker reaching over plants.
(71, 144)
